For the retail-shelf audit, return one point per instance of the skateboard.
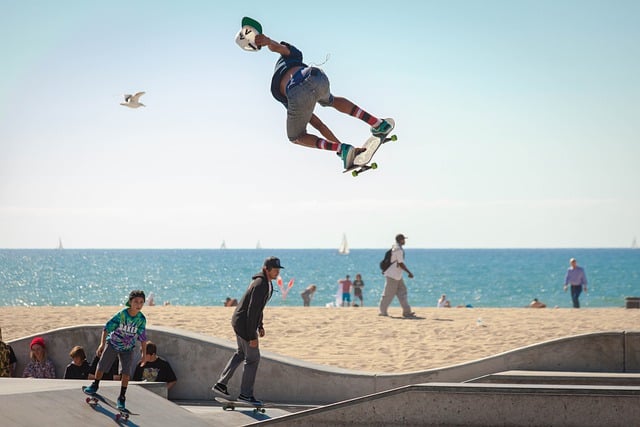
(361, 163)
(94, 400)
(231, 405)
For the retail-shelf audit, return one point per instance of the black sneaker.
(220, 389)
(250, 400)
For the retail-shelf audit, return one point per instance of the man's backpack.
(386, 261)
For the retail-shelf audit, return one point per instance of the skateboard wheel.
(354, 173)
(394, 137)
(374, 166)
(118, 416)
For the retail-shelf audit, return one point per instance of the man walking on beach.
(577, 279)
(393, 283)
(247, 324)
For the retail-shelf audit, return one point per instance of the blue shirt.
(575, 277)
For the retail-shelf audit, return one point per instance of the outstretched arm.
(263, 40)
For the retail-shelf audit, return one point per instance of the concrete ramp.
(456, 404)
(31, 402)
(554, 377)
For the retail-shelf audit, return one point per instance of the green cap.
(252, 23)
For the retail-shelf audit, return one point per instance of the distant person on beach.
(40, 366)
(393, 283)
(346, 285)
(247, 325)
(7, 359)
(151, 299)
(443, 302)
(118, 340)
(79, 368)
(577, 279)
(358, 284)
(537, 304)
(154, 368)
(230, 302)
(299, 87)
(307, 294)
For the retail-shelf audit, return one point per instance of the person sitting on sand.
(443, 302)
(230, 302)
(537, 304)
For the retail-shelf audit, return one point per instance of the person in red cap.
(40, 366)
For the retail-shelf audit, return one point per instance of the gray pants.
(394, 288)
(251, 358)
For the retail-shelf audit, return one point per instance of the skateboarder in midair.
(299, 87)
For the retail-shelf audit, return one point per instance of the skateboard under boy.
(231, 405)
(361, 162)
(94, 400)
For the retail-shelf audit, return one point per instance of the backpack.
(386, 261)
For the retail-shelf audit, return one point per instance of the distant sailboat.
(344, 246)
(223, 245)
(60, 243)
(258, 245)
(634, 244)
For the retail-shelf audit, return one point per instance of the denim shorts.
(303, 91)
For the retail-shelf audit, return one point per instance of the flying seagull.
(133, 101)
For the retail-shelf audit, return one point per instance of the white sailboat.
(344, 246)
(60, 243)
(634, 244)
(223, 245)
(258, 245)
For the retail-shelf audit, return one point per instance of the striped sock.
(364, 116)
(324, 144)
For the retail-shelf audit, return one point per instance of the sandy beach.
(357, 338)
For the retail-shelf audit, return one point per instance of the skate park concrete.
(290, 384)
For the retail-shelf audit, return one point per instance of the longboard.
(231, 405)
(361, 162)
(94, 400)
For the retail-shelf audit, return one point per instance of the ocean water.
(480, 277)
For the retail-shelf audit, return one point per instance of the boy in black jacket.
(247, 324)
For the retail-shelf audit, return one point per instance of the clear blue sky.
(518, 125)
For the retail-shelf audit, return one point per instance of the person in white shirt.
(393, 283)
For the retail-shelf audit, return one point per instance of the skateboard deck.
(361, 162)
(231, 405)
(94, 400)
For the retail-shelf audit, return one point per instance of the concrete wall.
(198, 359)
(448, 404)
